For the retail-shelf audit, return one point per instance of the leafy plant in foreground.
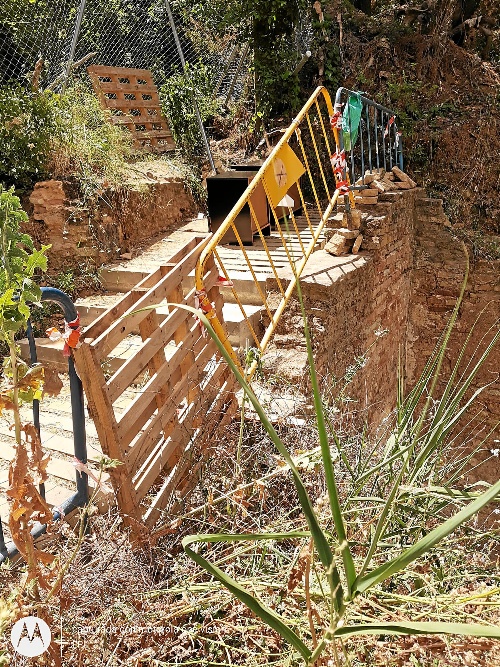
(423, 425)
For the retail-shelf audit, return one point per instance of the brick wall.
(405, 282)
(117, 222)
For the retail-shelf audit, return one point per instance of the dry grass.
(123, 606)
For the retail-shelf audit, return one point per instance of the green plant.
(385, 491)
(44, 134)
(20, 383)
(177, 97)
(28, 123)
(86, 146)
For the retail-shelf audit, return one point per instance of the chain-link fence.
(68, 35)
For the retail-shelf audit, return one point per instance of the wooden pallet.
(132, 99)
(183, 389)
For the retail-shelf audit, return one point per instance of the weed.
(404, 493)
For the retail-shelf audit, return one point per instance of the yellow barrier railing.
(301, 180)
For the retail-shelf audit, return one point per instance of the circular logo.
(280, 172)
(30, 636)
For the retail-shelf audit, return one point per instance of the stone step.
(50, 353)
(236, 326)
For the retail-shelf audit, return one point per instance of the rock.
(403, 177)
(379, 186)
(368, 192)
(365, 201)
(357, 244)
(352, 219)
(402, 185)
(126, 255)
(338, 245)
(348, 233)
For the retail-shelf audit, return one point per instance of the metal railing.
(379, 144)
(79, 498)
(289, 202)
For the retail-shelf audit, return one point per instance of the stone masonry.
(388, 305)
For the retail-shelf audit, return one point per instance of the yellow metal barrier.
(302, 180)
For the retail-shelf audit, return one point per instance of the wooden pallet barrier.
(132, 98)
(160, 408)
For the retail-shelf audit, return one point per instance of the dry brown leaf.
(297, 573)
(28, 506)
(52, 383)
(33, 378)
(5, 403)
(38, 460)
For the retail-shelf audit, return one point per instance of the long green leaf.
(270, 617)
(338, 520)
(426, 543)
(423, 628)
(320, 541)
(324, 551)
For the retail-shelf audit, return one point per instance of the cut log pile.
(343, 231)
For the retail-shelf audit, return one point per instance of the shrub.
(177, 96)
(45, 135)
(28, 123)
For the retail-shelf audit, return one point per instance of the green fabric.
(350, 121)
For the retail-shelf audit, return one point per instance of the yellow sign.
(282, 173)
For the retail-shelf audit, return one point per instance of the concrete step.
(91, 307)
(239, 332)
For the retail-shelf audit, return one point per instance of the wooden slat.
(168, 453)
(104, 70)
(108, 340)
(102, 411)
(184, 477)
(140, 410)
(150, 436)
(133, 366)
(145, 284)
(133, 104)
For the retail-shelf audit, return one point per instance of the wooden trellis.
(167, 400)
(132, 98)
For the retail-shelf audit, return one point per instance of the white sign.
(30, 636)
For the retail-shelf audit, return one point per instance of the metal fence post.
(74, 42)
(195, 103)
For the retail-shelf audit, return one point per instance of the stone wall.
(116, 222)
(391, 302)
(437, 277)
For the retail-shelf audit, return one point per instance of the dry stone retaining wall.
(115, 223)
(392, 300)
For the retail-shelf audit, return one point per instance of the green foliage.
(49, 135)
(20, 262)
(404, 98)
(28, 123)
(388, 492)
(177, 95)
(86, 145)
